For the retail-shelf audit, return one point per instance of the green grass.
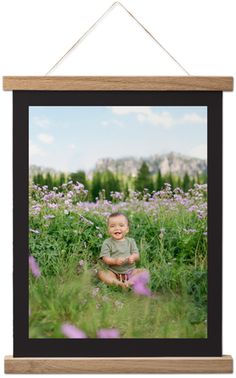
(80, 299)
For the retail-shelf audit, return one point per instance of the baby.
(119, 253)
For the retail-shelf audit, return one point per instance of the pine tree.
(186, 182)
(38, 179)
(193, 182)
(96, 185)
(110, 183)
(79, 176)
(159, 181)
(62, 179)
(179, 183)
(170, 180)
(144, 179)
(49, 181)
(126, 191)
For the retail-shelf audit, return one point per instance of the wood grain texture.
(120, 83)
(42, 365)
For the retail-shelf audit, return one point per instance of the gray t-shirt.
(117, 249)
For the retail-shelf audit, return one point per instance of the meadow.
(65, 237)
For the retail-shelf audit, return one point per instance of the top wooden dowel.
(118, 83)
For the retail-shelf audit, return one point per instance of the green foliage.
(79, 299)
(96, 185)
(160, 181)
(110, 183)
(49, 181)
(186, 183)
(103, 183)
(144, 179)
(79, 176)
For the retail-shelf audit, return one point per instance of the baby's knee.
(100, 274)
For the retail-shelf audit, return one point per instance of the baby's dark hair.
(117, 214)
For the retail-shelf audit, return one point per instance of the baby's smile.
(118, 235)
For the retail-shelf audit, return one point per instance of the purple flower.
(141, 278)
(192, 208)
(189, 230)
(83, 219)
(70, 194)
(140, 281)
(53, 205)
(81, 263)
(141, 289)
(79, 186)
(68, 202)
(48, 196)
(200, 214)
(35, 209)
(72, 332)
(108, 333)
(34, 267)
(106, 214)
(49, 216)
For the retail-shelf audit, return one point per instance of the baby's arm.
(111, 261)
(134, 256)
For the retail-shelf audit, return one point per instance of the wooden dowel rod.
(149, 83)
(42, 365)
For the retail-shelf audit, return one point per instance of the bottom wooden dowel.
(81, 365)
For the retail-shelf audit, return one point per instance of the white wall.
(200, 34)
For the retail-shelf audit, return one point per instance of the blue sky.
(73, 138)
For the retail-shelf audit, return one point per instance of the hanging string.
(117, 3)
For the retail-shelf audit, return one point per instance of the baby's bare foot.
(121, 284)
(128, 284)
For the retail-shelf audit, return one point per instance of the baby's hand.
(131, 259)
(120, 261)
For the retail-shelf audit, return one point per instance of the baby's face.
(118, 227)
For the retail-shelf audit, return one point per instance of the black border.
(25, 347)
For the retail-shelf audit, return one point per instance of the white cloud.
(162, 119)
(193, 118)
(72, 146)
(34, 150)
(199, 151)
(45, 138)
(121, 110)
(145, 114)
(111, 122)
(41, 122)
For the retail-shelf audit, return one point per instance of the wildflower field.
(65, 237)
